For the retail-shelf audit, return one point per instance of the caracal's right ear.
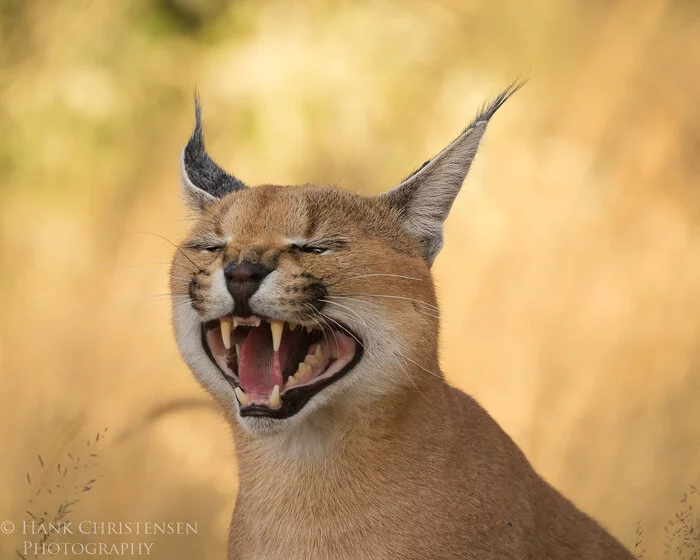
(203, 181)
(423, 200)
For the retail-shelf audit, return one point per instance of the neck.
(342, 459)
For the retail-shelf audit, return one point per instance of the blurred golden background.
(570, 280)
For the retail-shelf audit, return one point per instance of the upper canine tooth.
(241, 396)
(226, 332)
(276, 327)
(275, 401)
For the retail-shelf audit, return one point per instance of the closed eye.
(327, 246)
(211, 249)
(311, 249)
(206, 246)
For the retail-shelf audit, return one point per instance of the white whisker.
(374, 275)
(359, 317)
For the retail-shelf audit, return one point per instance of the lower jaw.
(294, 399)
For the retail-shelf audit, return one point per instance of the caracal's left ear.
(423, 200)
(203, 181)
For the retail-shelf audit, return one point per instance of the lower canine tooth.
(276, 327)
(241, 396)
(275, 401)
(226, 332)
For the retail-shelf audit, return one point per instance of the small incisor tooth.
(303, 371)
(277, 327)
(275, 401)
(309, 329)
(226, 332)
(292, 326)
(241, 396)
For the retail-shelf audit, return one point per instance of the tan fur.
(389, 462)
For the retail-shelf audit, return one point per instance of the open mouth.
(275, 367)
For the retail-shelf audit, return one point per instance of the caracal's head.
(289, 300)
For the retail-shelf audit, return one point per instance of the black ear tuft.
(199, 171)
(487, 110)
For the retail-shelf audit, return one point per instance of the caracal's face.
(291, 299)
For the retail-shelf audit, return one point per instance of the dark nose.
(242, 280)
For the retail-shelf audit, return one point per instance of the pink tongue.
(258, 366)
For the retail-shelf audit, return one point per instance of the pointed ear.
(423, 200)
(203, 181)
